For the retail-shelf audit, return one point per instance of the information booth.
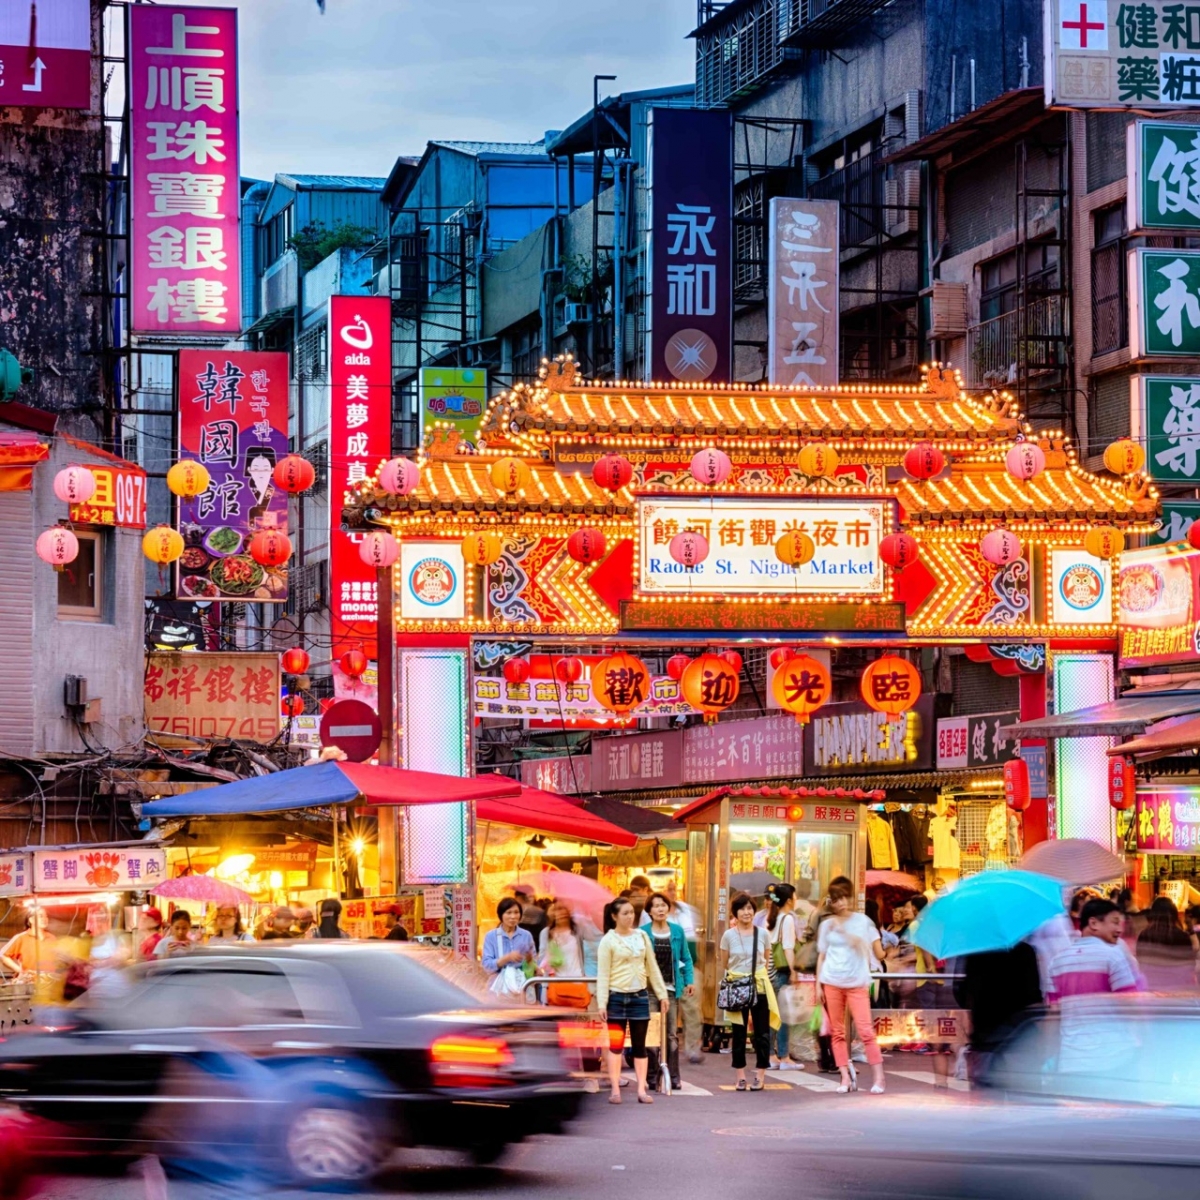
(805, 837)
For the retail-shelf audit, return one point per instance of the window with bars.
(1110, 324)
(749, 224)
(311, 354)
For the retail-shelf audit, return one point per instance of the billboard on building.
(46, 54)
(803, 274)
(1164, 303)
(691, 247)
(184, 252)
(1104, 54)
(194, 694)
(360, 438)
(455, 397)
(1158, 606)
(1165, 419)
(1163, 168)
(233, 418)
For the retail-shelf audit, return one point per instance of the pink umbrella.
(578, 892)
(897, 879)
(203, 888)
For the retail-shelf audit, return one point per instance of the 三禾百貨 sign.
(741, 534)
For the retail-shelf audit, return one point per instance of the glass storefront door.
(818, 858)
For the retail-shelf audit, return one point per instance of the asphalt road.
(708, 1141)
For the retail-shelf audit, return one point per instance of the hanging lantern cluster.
(1104, 542)
(294, 474)
(75, 485)
(57, 546)
(612, 472)
(1025, 460)
(794, 548)
(801, 684)
(891, 685)
(586, 545)
(924, 460)
(510, 475)
(399, 477)
(295, 661)
(482, 548)
(379, 549)
(1124, 457)
(270, 547)
(1000, 547)
(620, 683)
(711, 467)
(710, 684)
(818, 461)
(354, 663)
(899, 550)
(162, 544)
(688, 549)
(188, 479)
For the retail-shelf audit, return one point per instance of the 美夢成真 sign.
(741, 534)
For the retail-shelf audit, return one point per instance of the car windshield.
(405, 981)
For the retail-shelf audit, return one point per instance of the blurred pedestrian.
(228, 927)
(179, 936)
(1166, 951)
(806, 961)
(31, 950)
(997, 988)
(675, 965)
(627, 973)
(639, 892)
(397, 933)
(560, 952)
(782, 935)
(280, 924)
(533, 916)
(743, 967)
(848, 948)
(150, 925)
(331, 914)
(303, 918)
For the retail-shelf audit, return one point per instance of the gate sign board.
(691, 251)
(803, 270)
(1165, 418)
(1111, 54)
(353, 727)
(1164, 303)
(45, 53)
(1164, 176)
(194, 694)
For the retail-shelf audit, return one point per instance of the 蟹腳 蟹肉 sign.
(741, 534)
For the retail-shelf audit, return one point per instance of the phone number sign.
(119, 498)
(196, 695)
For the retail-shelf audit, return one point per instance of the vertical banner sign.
(803, 270)
(184, 250)
(233, 418)
(1164, 308)
(691, 303)
(46, 53)
(1165, 413)
(1163, 161)
(360, 437)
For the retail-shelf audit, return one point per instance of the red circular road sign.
(353, 727)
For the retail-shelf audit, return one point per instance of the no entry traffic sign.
(353, 727)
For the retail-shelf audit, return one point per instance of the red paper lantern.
(1016, 784)
(57, 546)
(295, 661)
(1025, 460)
(710, 684)
(293, 706)
(780, 655)
(1193, 535)
(620, 683)
(734, 659)
(924, 461)
(270, 547)
(899, 550)
(710, 466)
(891, 685)
(676, 665)
(294, 474)
(688, 549)
(612, 472)
(516, 670)
(379, 549)
(1000, 547)
(354, 663)
(586, 545)
(75, 485)
(568, 670)
(1122, 782)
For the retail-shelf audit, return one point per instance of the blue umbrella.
(992, 911)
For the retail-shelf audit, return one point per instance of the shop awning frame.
(1118, 718)
(1182, 738)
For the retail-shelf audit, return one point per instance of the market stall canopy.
(548, 813)
(780, 795)
(331, 783)
(1178, 739)
(1118, 718)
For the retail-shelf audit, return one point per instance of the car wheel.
(330, 1142)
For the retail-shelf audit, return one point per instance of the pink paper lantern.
(689, 549)
(379, 549)
(75, 485)
(1025, 460)
(57, 546)
(399, 476)
(711, 467)
(1000, 547)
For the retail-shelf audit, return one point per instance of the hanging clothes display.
(881, 845)
(942, 833)
(912, 837)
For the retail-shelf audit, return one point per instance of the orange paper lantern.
(294, 474)
(162, 545)
(270, 547)
(801, 685)
(891, 685)
(620, 683)
(710, 684)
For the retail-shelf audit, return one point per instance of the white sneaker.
(788, 1065)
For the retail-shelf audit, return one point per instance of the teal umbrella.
(992, 911)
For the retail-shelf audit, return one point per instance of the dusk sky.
(348, 91)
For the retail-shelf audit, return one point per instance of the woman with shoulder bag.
(745, 991)
(675, 962)
(781, 927)
(561, 953)
(506, 951)
(626, 973)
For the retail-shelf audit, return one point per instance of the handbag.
(509, 983)
(741, 992)
(778, 952)
(568, 995)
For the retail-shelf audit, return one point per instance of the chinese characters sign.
(803, 268)
(136, 869)
(734, 751)
(1164, 317)
(119, 498)
(233, 418)
(185, 199)
(360, 437)
(852, 737)
(974, 741)
(565, 775)
(741, 534)
(550, 700)
(1164, 178)
(1156, 605)
(15, 875)
(769, 616)
(691, 302)
(1168, 820)
(1166, 419)
(645, 760)
(194, 694)
(45, 53)
(1106, 54)
(1177, 517)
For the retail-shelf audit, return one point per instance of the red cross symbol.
(1083, 25)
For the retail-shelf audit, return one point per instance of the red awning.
(781, 794)
(548, 813)
(1182, 738)
(395, 785)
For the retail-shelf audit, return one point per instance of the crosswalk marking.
(956, 1085)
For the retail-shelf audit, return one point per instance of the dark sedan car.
(310, 1060)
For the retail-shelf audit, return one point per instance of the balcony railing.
(1029, 340)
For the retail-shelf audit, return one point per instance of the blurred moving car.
(309, 1059)
(1108, 1113)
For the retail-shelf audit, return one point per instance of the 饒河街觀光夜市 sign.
(1167, 820)
(1164, 303)
(1157, 609)
(1165, 419)
(741, 534)
(1164, 175)
(1110, 54)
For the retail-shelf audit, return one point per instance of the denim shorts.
(629, 1006)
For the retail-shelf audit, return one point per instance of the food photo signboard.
(233, 419)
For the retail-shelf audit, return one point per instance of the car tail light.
(458, 1061)
(582, 1035)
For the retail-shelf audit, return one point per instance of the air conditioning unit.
(901, 200)
(948, 309)
(567, 314)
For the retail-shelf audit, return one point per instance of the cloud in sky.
(347, 92)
